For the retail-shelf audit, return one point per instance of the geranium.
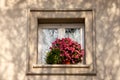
(69, 51)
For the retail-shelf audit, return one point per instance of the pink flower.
(70, 50)
(82, 52)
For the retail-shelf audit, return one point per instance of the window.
(47, 25)
(47, 33)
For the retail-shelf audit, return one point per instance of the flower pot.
(67, 62)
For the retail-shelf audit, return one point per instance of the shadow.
(13, 38)
(107, 37)
(13, 41)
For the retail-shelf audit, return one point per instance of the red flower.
(70, 50)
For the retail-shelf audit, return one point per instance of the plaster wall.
(13, 37)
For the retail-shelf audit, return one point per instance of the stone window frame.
(86, 69)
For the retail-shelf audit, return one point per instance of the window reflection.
(48, 36)
(73, 33)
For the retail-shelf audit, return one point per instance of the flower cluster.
(69, 50)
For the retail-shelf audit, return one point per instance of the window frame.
(60, 28)
(34, 68)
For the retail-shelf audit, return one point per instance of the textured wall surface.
(13, 37)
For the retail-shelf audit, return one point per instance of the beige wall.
(13, 37)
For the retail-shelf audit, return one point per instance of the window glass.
(48, 36)
(48, 33)
(73, 33)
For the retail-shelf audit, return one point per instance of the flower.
(69, 50)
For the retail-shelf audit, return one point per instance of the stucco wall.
(13, 37)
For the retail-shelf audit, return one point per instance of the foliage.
(53, 57)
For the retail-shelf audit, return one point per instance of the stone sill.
(61, 66)
(93, 73)
(84, 67)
